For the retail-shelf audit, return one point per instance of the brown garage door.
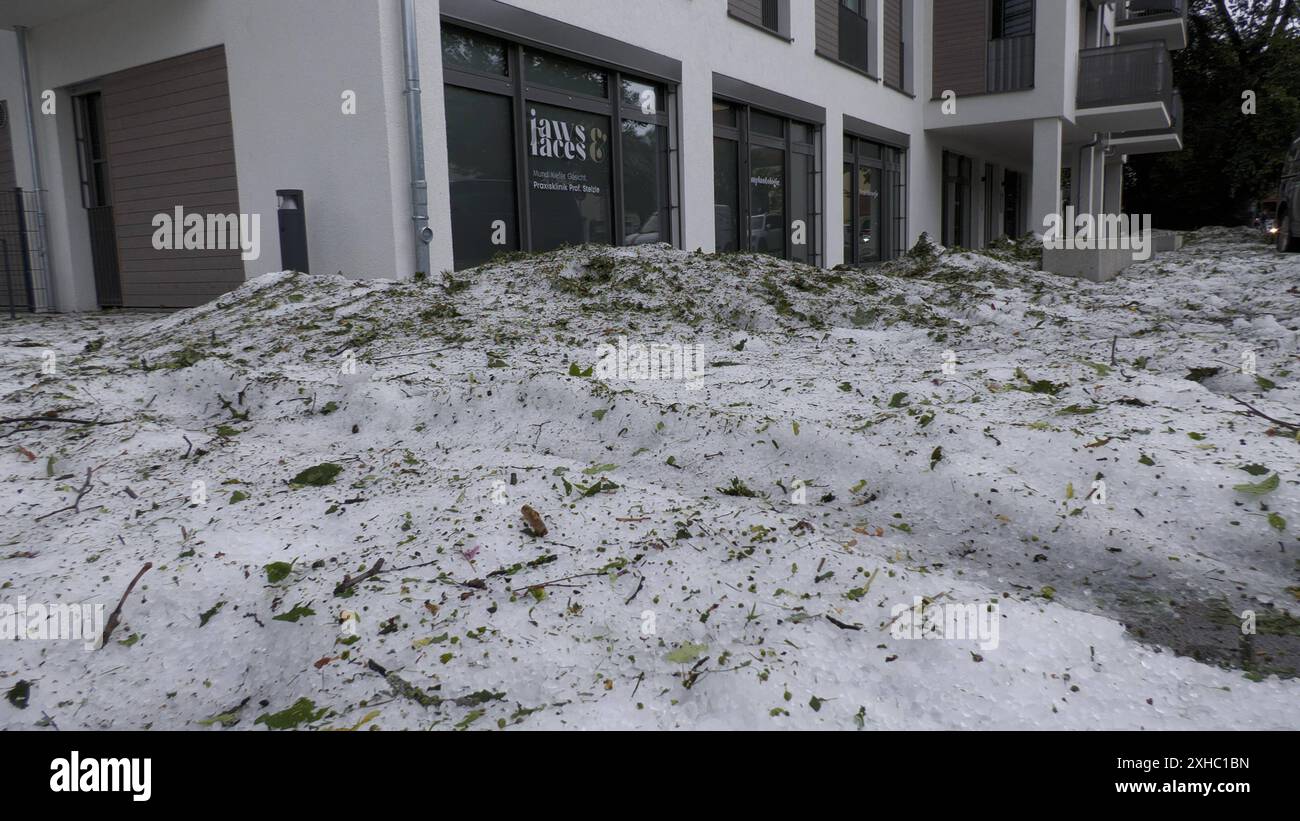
(170, 144)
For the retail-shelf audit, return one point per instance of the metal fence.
(22, 259)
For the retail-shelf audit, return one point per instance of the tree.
(1231, 159)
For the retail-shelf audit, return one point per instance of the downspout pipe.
(38, 189)
(415, 139)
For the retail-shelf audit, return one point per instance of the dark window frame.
(961, 183)
(517, 86)
(891, 162)
(87, 113)
(742, 134)
(997, 11)
(780, 9)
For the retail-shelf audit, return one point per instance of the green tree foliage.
(1231, 160)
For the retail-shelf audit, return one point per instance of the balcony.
(1011, 63)
(1164, 20)
(1155, 140)
(1125, 88)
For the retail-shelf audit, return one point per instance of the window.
(481, 168)
(855, 34)
(1012, 18)
(1011, 197)
(545, 151)
(770, 15)
(956, 200)
(765, 183)
(874, 201)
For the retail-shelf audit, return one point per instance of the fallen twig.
(14, 420)
(115, 617)
(1256, 412)
(348, 582)
(76, 505)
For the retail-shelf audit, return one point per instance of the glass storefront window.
(569, 178)
(726, 194)
(532, 152)
(869, 228)
(766, 124)
(874, 202)
(566, 75)
(765, 183)
(471, 51)
(767, 226)
(643, 97)
(482, 174)
(643, 183)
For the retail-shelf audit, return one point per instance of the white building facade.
(827, 131)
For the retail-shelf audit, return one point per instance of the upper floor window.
(771, 15)
(1012, 18)
(855, 34)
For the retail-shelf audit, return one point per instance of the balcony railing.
(1011, 63)
(1133, 11)
(854, 39)
(1121, 75)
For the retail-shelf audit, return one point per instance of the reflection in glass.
(643, 183)
(470, 51)
(566, 75)
(482, 171)
(868, 213)
(849, 243)
(767, 200)
(569, 177)
(801, 196)
(641, 96)
(726, 194)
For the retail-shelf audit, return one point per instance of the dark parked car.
(1288, 206)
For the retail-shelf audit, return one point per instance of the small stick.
(12, 420)
(1255, 412)
(76, 505)
(115, 618)
(349, 582)
(413, 353)
(639, 585)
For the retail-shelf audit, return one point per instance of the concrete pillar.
(695, 103)
(1114, 182)
(1086, 180)
(1045, 186)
